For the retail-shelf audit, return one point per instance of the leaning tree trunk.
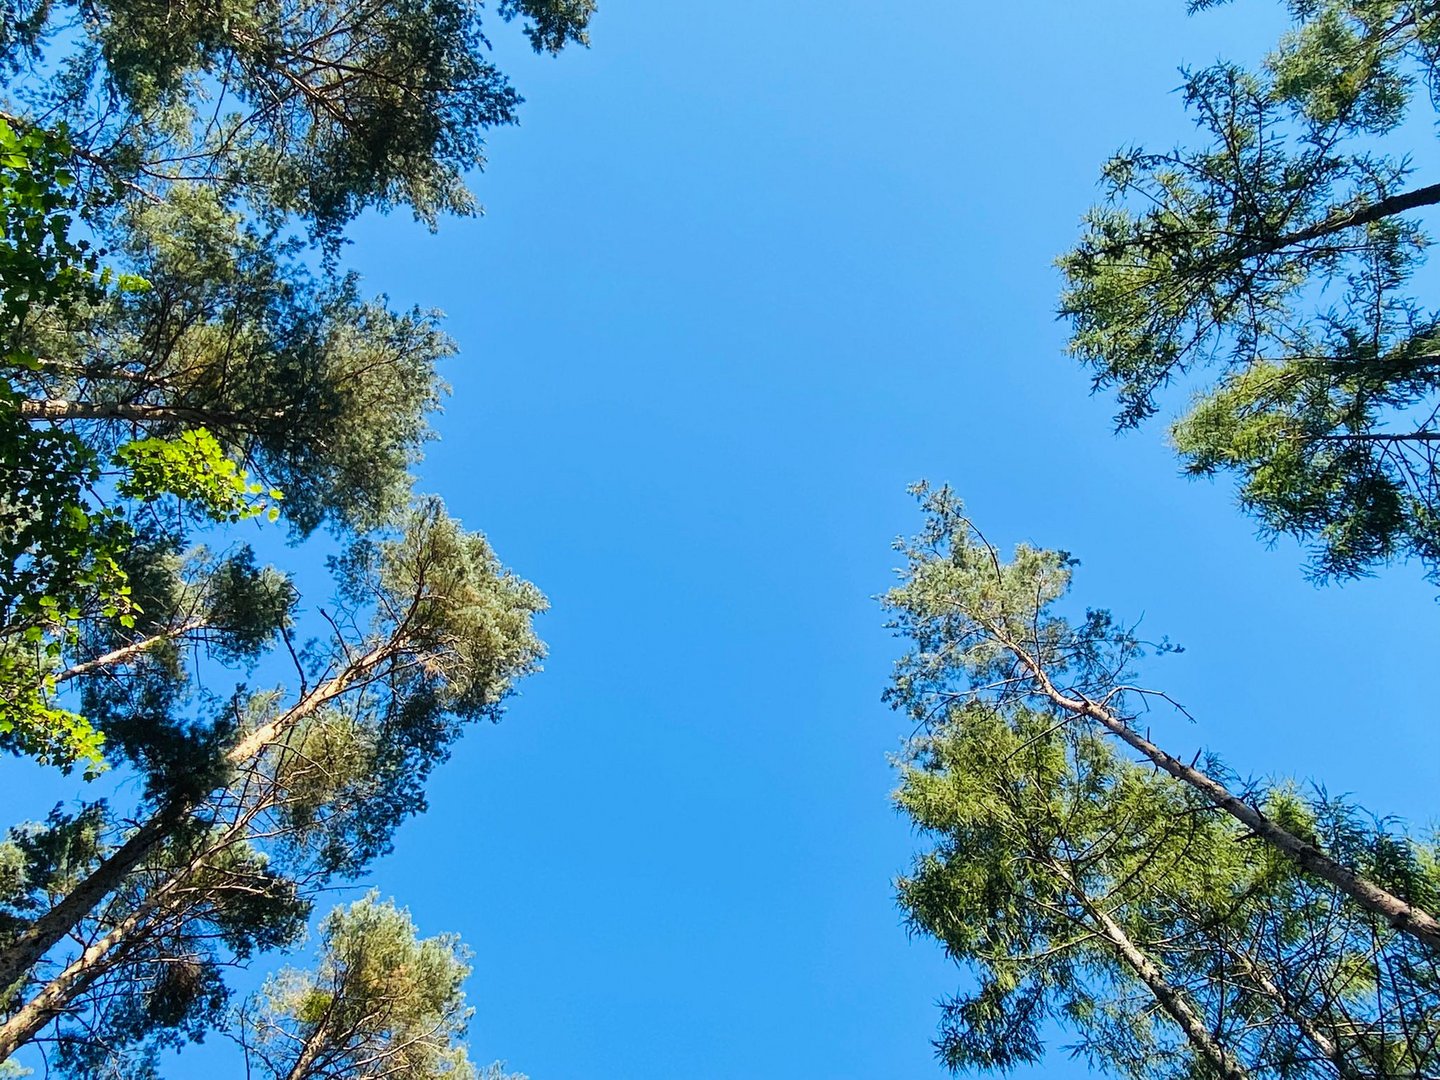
(309, 1054)
(1402, 915)
(1167, 996)
(44, 933)
(110, 949)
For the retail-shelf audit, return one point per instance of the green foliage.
(41, 859)
(965, 611)
(59, 563)
(327, 108)
(353, 774)
(160, 390)
(208, 365)
(380, 1003)
(57, 553)
(310, 388)
(39, 263)
(33, 725)
(1060, 870)
(1280, 255)
(1038, 827)
(192, 467)
(270, 797)
(61, 548)
(470, 616)
(1182, 922)
(171, 989)
(1019, 811)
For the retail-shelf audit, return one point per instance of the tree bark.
(45, 932)
(109, 950)
(55, 996)
(60, 409)
(127, 652)
(1291, 1011)
(1169, 997)
(1403, 916)
(1364, 215)
(309, 1053)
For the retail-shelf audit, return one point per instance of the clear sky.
(747, 270)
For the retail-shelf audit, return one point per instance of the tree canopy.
(380, 1003)
(307, 108)
(1176, 921)
(1272, 269)
(1170, 916)
(184, 358)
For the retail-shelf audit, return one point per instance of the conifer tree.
(1270, 269)
(379, 1003)
(1177, 921)
(182, 353)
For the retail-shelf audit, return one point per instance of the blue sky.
(748, 270)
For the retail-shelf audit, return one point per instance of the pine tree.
(1177, 921)
(1279, 258)
(379, 1003)
(183, 353)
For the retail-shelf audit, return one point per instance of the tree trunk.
(59, 409)
(57, 994)
(1169, 997)
(309, 1053)
(1291, 1011)
(1403, 916)
(45, 932)
(127, 652)
(110, 949)
(40, 936)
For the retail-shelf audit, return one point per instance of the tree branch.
(28, 947)
(127, 652)
(1167, 995)
(59, 409)
(1403, 916)
(1363, 215)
